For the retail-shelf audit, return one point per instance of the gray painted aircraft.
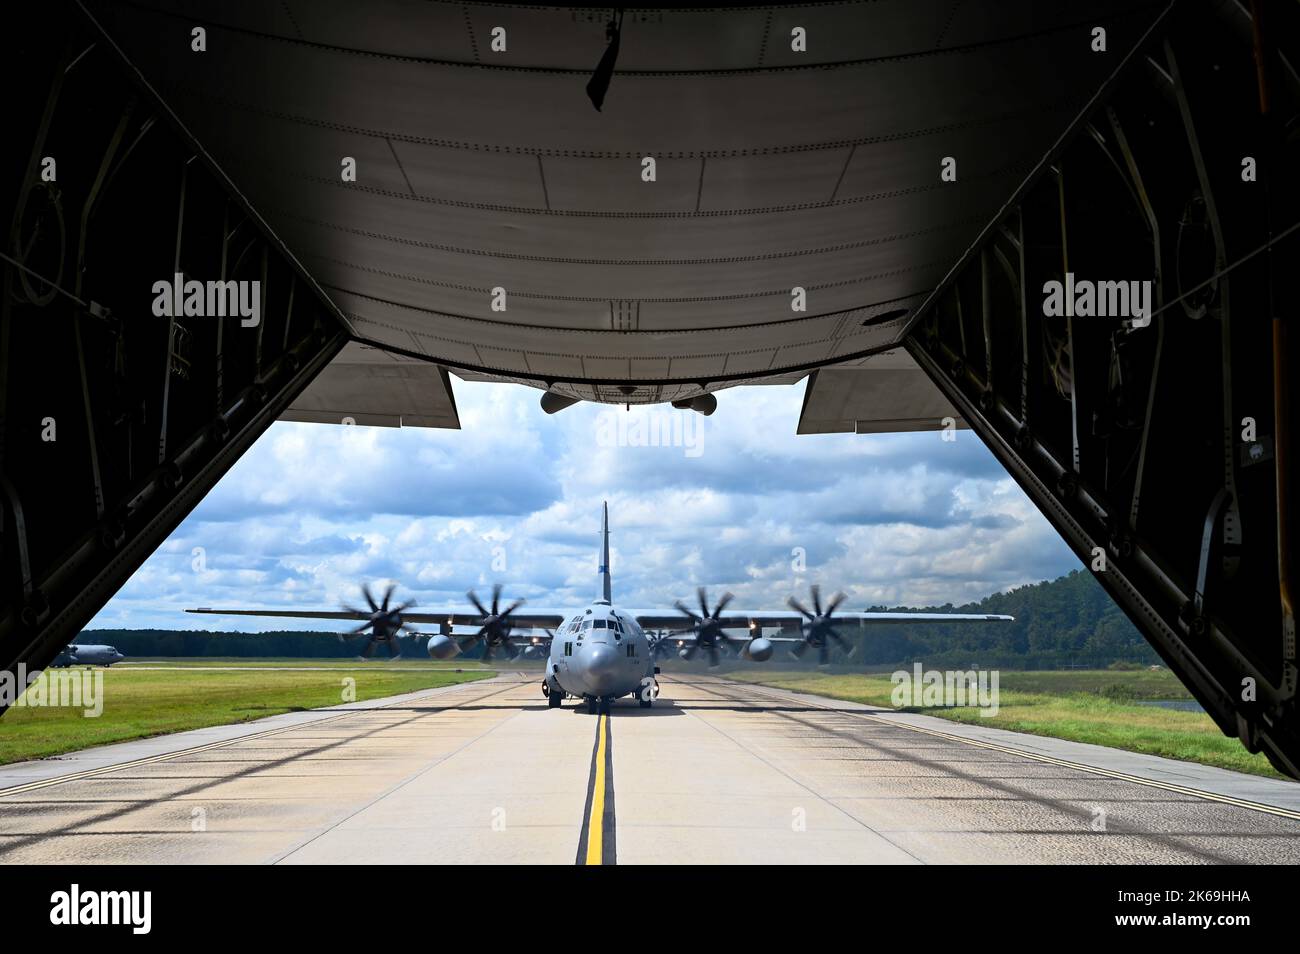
(87, 654)
(599, 652)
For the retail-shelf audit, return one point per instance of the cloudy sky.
(735, 502)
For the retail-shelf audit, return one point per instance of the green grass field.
(1097, 706)
(140, 703)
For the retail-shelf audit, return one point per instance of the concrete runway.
(716, 772)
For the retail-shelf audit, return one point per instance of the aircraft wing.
(790, 620)
(463, 616)
(533, 639)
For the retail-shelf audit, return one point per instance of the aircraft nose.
(601, 666)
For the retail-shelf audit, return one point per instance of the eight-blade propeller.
(706, 627)
(496, 624)
(661, 643)
(384, 622)
(819, 630)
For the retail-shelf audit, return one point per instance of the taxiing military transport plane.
(599, 652)
(86, 654)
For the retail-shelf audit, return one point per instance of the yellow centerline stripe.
(596, 820)
(1052, 760)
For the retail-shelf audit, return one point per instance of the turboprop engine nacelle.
(443, 647)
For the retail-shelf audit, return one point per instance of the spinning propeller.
(707, 627)
(495, 625)
(384, 622)
(820, 631)
(662, 643)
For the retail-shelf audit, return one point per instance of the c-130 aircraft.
(599, 652)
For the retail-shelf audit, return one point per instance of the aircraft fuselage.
(86, 655)
(600, 653)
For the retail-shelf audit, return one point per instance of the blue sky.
(728, 501)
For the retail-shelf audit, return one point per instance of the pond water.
(1182, 705)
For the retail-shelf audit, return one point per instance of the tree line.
(1070, 621)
